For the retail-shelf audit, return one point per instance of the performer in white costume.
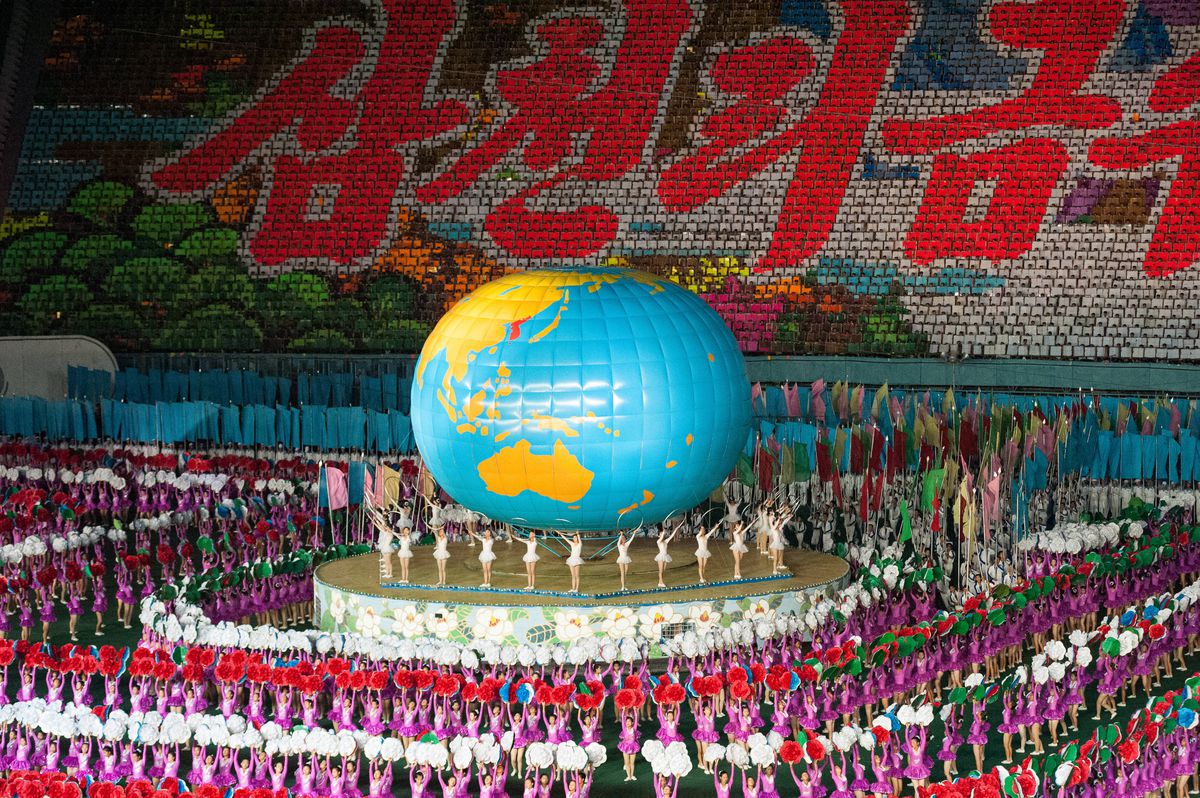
(702, 552)
(576, 558)
(737, 547)
(440, 552)
(774, 524)
(404, 539)
(384, 544)
(662, 558)
(623, 558)
(486, 555)
(531, 559)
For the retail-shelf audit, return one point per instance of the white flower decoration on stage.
(408, 621)
(441, 623)
(654, 619)
(337, 609)
(368, 623)
(570, 626)
(704, 617)
(619, 623)
(759, 611)
(492, 623)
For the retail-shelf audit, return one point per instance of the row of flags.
(377, 485)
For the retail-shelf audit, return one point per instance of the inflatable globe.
(580, 398)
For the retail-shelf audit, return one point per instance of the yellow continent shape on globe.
(463, 332)
(559, 475)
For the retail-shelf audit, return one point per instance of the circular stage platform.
(350, 597)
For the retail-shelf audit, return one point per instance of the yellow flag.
(387, 486)
(933, 433)
(881, 397)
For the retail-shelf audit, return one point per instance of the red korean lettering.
(1026, 172)
(1025, 175)
(574, 121)
(1176, 241)
(300, 101)
(827, 139)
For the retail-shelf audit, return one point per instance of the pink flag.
(991, 504)
(817, 403)
(368, 485)
(336, 489)
(756, 393)
(791, 397)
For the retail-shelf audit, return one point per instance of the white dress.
(385, 541)
(623, 557)
(440, 552)
(531, 554)
(405, 541)
(738, 544)
(702, 546)
(662, 555)
(776, 537)
(486, 555)
(576, 553)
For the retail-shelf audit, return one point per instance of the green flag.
(745, 470)
(905, 522)
(803, 466)
(930, 486)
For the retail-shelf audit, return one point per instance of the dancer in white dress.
(662, 558)
(623, 558)
(405, 521)
(775, 531)
(440, 553)
(385, 551)
(531, 559)
(702, 552)
(762, 528)
(576, 558)
(731, 511)
(486, 556)
(404, 538)
(737, 547)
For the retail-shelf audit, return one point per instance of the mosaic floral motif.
(492, 624)
(374, 616)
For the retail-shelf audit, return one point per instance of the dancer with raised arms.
(531, 560)
(486, 555)
(663, 557)
(702, 552)
(737, 547)
(575, 559)
(623, 558)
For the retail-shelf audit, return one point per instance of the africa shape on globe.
(580, 398)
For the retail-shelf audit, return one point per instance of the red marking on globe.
(514, 329)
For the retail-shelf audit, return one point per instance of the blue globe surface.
(580, 398)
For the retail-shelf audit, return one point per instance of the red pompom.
(629, 698)
(791, 752)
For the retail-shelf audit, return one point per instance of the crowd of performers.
(885, 690)
(398, 537)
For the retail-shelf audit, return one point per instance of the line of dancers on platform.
(397, 541)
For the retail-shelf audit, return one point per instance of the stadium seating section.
(983, 178)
